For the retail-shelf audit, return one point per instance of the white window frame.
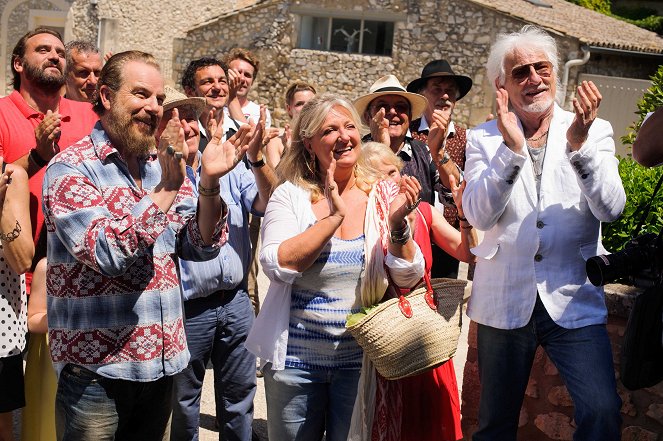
(42, 17)
(351, 15)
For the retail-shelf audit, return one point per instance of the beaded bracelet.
(400, 236)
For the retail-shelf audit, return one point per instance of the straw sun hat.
(389, 85)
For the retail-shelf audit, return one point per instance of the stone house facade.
(458, 30)
(112, 24)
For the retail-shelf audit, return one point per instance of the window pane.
(345, 35)
(378, 37)
(313, 33)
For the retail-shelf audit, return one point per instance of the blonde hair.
(301, 167)
(373, 153)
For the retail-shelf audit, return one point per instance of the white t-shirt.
(251, 112)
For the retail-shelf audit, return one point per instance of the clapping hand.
(172, 153)
(336, 203)
(457, 193)
(405, 202)
(220, 157)
(586, 107)
(438, 132)
(234, 83)
(507, 122)
(5, 180)
(380, 127)
(47, 133)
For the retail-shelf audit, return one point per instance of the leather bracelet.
(468, 227)
(259, 163)
(209, 192)
(37, 159)
(12, 235)
(462, 218)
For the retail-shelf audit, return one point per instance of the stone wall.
(149, 26)
(547, 412)
(15, 16)
(457, 30)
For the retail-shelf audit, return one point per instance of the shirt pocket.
(486, 250)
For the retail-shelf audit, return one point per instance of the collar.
(423, 125)
(28, 112)
(406, 149)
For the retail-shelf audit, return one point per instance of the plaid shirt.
(114, 302)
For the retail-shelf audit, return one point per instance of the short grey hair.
(529, 38)
(80, 46)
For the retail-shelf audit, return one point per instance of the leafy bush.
(652, 23)
(643, 17)
(602, 6)
(638, 181)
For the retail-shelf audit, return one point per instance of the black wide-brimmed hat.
(440, 68)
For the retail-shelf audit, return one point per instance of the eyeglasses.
(521, 73)
(399, 107)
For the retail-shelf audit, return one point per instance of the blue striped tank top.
(321, 300)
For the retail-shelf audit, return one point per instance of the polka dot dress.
(13, 310)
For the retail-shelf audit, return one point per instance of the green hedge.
(638, 181)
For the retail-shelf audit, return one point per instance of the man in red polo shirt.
(35, 121)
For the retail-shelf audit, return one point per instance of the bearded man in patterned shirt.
(119, 212)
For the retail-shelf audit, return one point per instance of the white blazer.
(539, 243)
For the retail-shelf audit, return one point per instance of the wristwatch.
(259, 163)
(445, 158)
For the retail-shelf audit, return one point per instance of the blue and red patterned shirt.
(114, 301)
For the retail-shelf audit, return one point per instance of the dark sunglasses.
(521, 73)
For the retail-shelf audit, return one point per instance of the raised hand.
(221, 157)
(438, 132)
(507, 122)
(47, 133)
(457, 193)
(380, 127)
(406, 201)
(286, 136)
(586, 107)
(259, 138)
(212, 125)
(234, 83)
(336, 203)
(172, 153)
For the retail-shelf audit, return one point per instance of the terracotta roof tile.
(588, 26)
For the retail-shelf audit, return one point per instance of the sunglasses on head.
(521, 73)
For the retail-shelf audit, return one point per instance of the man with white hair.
(540, 180)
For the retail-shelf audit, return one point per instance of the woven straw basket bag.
(402, 346)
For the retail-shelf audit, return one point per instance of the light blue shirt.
(227, 270)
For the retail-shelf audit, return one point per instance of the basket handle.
(405, 306)
(430, 295)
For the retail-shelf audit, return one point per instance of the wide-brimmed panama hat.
(389, 85)
(440, 68)
(175, 98)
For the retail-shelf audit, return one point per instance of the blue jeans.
(302, 404)
(583, 358)
(216, 328)
(89, 407)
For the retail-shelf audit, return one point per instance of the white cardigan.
(539, 244)
(288, 214)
